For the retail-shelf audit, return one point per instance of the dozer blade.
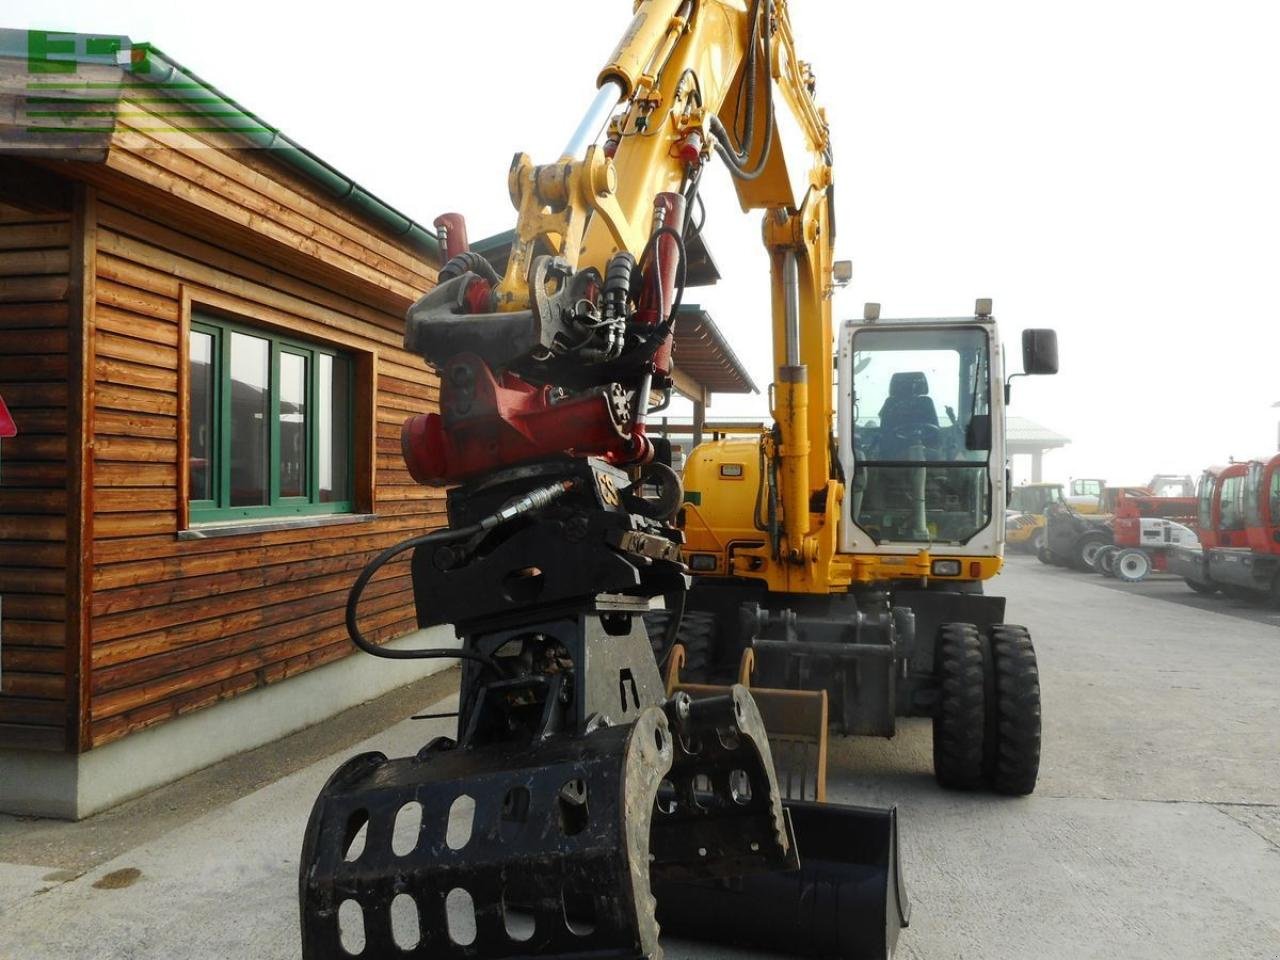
(846, 901)
(556, 854)
(796, 721)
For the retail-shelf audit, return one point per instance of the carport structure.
(1026, 437)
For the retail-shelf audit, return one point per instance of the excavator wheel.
(960, 720)
(1013, 759)
(697, 633)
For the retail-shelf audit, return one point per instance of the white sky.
(1110, 168)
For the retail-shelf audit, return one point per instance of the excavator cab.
(918, 478)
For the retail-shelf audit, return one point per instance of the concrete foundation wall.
(73, 787)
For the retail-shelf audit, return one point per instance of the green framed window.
(270, 419)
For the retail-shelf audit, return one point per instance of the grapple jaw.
(556, 853)
(719, 811)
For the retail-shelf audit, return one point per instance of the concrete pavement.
(1154, 832)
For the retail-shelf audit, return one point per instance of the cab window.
(1232, 509)
(921, 434)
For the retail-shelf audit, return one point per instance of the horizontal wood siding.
(35, 252)
(181, 624)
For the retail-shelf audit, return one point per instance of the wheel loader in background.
(579, 793)
(1024, 522)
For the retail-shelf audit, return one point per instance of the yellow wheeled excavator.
(851, 562)
(583, 801)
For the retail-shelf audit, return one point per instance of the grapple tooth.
(719, 811)
(556, 863)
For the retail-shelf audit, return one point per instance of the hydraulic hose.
(533, 500)
(468, 262)
(737, 159)
(673, 626)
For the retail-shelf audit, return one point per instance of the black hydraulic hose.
(736, 159)
(761, 524)
(468, 262)
(533, 500)
(673, 627)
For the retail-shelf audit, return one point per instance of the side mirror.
(1039, 351)
(977, 435)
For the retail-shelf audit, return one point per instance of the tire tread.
(1016, 765)
(697, 633)
(958, 723)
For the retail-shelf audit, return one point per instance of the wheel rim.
(1089, 553)
(1135, 566)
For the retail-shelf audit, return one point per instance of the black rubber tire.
(1045, 555)
(1079, 548)
(1105, 562)
(697, 633)
(1133, 574)
(1013, 759)
(959, 721)
(1198, 587)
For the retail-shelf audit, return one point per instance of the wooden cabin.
(201, 336)
(201, 331)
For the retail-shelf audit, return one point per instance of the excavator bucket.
(796, 721)
(846, 901)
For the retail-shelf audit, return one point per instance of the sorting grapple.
(540, 848)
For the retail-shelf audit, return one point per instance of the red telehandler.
(1240, 518)
(1145, 529)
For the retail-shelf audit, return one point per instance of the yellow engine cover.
(721, 488)
(725, 525)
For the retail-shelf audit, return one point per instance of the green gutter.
(207, 99)
(50, 55)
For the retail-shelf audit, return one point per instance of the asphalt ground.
(1154, 831)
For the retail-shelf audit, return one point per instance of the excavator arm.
(586, 300)
(577, 789)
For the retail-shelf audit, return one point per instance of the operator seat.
(908, 416)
